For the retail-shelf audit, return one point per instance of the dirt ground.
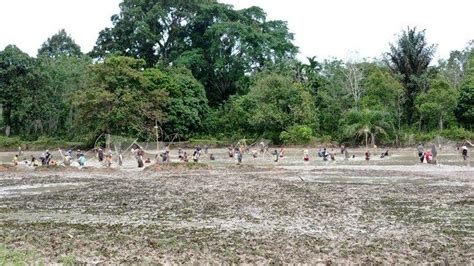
(391, 210)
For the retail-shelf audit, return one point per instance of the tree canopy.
(219, 44)
(205, 69)
(410, 58)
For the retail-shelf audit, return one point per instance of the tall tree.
(219, 44)
(332, 98)
(187, 102)
(384, 92)
(16, 69)
(410, 57)
(438, 103)
(119, 100)
(60, 44)
(465, 109)
(63, 77)
(354, 84)
(152, 30)
(273, 104)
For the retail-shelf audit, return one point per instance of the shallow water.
(292, 157)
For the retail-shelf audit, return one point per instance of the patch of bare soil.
(241, 214)
(178, 167)
(71, 169)
(7, 168)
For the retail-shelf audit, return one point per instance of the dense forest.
(204, 70)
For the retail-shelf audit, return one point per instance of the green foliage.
(202, 69)
(410, 58)
(9, 142)
(217, 43)
(382, 90)
(68, 260)
(331, 99)
(187, 105)
(366, 122)
(297, 134)
(457, 133)
(438, 103)
(60, 44)
(119, 100)
(35, 93)
(13, 257)
(43, 142)
(465, 109)
(273, 104)
(17, 82)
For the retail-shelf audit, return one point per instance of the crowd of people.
(105, 158)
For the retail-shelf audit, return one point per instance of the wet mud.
(289, 212)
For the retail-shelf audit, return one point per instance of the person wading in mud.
(421, 150)
(100, 154)
(306, 156)
(464, 152)
(108, 160)
(325, 154)
(275, 155)
(140, 153)
(82, 160)
(238, 156)
(346, 154)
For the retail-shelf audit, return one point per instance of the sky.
(345, 29)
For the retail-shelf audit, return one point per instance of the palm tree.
(367, 122)
(410, 57)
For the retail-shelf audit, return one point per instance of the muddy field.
(391, 210)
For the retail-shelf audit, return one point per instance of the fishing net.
(442, 143)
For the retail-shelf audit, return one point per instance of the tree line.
(203, 69)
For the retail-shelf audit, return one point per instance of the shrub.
(297, 134)
(9, 142)
(457, 133)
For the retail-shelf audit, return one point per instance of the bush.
(51, 143)
(9, 142)
(457, 133)
(12, 143)
(297, 134)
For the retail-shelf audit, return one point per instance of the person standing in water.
(367, 155)
(238, 156)
(82, 160)
(306, 156)
(100, 154)
(464, 152)
(346, 154)
(196, 156)
(420, 152)
(275, 155)
(120, 159)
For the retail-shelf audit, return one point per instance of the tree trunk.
(441, 123)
